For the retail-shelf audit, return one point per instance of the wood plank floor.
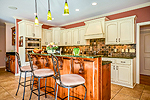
(145, 79)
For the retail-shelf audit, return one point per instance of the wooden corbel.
(60, 63)
(81, 62)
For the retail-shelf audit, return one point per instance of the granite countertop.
(106, 62)
(124, 57)
(70, 55)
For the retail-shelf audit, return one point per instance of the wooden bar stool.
(67, 80)
(24, 69)
(41, 73)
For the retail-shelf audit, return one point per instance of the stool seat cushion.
(28, 68)
(71, 80)
(44, 72)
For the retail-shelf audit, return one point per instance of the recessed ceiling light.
(77, 9)
(94, 3)
(13, 8)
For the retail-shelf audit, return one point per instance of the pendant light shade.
(66, 8)
(49, 16)
(36, 22)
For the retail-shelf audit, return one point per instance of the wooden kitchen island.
(95, 72)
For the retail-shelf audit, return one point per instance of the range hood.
(95, 28)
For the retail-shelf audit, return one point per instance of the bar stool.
(67, 80)
(41, 73)
(24, 69)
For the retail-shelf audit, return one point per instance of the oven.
(30, 44)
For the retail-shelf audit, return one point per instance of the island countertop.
(70, 55)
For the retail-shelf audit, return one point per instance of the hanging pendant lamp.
(66, 8)
(36, 22)
(49, 16)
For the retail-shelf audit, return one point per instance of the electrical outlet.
(126, 50)
(122, 50)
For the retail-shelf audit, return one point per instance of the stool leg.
(68, 93)
(85, 91)
(39, 89)
(45, 87)
(56, 93)
(31, 89)
(24, 86)
(19, 83)
(30, 81)
(54, 88)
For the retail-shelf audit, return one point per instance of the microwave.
(32, 43)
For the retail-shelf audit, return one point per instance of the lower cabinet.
(122, 71)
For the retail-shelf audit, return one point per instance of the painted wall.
(2, 45)
(9, 46)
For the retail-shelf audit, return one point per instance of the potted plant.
(51, 48)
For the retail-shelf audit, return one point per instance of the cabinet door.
(29, 30)
(43, 40)
(111, 33)
(56, 37)
(37, 31)
(123, 74)
(69, 37)
(126, 31)
(113, 73)
(82, 40)
(75, 36)
(64, 36)
(49, 36)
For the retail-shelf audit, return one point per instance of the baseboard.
(2, 66)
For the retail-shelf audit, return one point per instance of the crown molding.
(9, 23)
(111, 13)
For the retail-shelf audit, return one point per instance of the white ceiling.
(26, 9)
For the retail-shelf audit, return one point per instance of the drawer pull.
(116, 39)
(123, 62)
(116, 67)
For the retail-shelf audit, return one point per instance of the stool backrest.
(18, 58)
(31, 65)
(56, 68)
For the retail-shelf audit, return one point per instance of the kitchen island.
(95, 72)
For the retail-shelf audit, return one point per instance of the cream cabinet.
(78, 36)
(122, 71)
(66, 37)
(56, 36)
(46, 36)
(120, 31)
(29, 29)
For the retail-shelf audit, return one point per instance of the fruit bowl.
(37, 50)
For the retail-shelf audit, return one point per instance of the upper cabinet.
(46, 36)
(66, 37)
(78, 36)
(95, 28)
(56, 36)
(120, 31)
(28, 29)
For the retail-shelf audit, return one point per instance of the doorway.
(145, 54)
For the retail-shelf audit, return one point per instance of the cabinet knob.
(116, 39)
(114, 67)
(123, 62)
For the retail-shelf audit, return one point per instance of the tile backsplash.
(97, 46)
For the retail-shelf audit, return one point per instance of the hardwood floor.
(145, 79)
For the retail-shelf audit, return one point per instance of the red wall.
(143, 15)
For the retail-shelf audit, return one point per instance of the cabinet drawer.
(123, 61)
(109, 59)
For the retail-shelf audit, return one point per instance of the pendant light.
(66, 8)
(49, 16)
(36, 22)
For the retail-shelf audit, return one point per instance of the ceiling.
(26, 9)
